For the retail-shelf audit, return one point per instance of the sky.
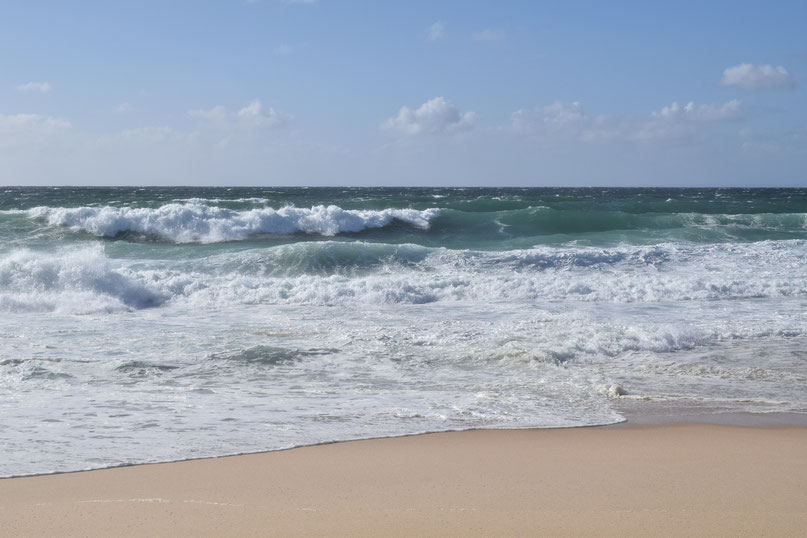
(400, 93)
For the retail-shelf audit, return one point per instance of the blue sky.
(324, 92)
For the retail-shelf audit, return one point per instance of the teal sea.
(156, 324)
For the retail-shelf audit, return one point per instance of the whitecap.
(196, 222)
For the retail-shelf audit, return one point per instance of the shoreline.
(664, 416)
(628, 478)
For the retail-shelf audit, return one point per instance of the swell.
(537, 221)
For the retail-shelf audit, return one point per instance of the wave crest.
(195, 222)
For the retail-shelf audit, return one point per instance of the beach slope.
(689, 479)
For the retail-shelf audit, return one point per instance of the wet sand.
(634, 480)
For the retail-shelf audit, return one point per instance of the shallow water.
(164, 323)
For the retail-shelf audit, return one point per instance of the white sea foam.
(321, 341)
(71, 280)
(333, 273)
(198, 222)
(339, 273)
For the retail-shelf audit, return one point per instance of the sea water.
(155, 324)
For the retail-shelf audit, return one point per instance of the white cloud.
(435, 116)
(251, 116)
(124, 107)
(731, 110)
(677, 122)
(486, 35)
(11, 123)
(555, 118)
(284, 49)
(567, 121)
(152, 135)
(758, 77)
(254, 114)
(41, 87)
(21, 130)
(436, 31)
(212, 114)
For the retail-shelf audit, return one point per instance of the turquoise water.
(489, 219)
(152, 324)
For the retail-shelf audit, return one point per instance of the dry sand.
(681, 480)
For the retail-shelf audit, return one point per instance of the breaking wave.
(334, 272)
(78, 281)
(195, 222)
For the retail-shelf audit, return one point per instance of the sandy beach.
(403, 269)
(688, 479)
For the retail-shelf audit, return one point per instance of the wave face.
(158, 324)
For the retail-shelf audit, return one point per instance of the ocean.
(156, 324)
